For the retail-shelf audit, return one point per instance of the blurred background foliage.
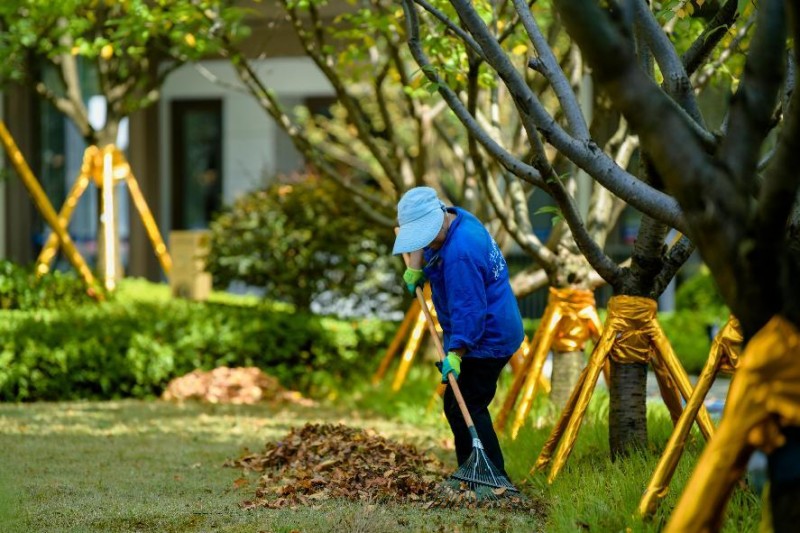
(302, 241)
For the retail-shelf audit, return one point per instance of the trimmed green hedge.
(130, 348)
(134, 344)
(20, 288)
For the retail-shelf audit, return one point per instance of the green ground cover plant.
(154, 466)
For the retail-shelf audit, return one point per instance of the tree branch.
(753, 104)
(703, 190)
(458, 108)
(676, 80)
(268, 102)
(701, 77)
(452, 26)
(781, 180)
(354, 111)
(674, 259)
(548, 65)
(715, 30)
(585, 154)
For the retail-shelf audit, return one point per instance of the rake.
(478, 472)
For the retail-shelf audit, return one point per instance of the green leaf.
(741, 6)
(551, 209)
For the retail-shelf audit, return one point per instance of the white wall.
(253, 146)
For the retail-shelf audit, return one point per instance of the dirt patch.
(322, 462)
(240, 385)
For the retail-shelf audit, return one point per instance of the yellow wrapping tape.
(579, 321)
(631, 335)
(729, 340)
(764, 397)
(724, 351)
(640, 339)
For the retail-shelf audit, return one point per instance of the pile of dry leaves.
(321, 462)
(243, 385)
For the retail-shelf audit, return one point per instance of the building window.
(196, 162)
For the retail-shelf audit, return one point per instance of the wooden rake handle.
(438, 342)
(439, 348)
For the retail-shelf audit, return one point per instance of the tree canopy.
(127, 49)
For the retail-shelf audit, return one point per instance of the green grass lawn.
(154, 466)
(157, 467)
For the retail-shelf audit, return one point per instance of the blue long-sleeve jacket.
(471, 292)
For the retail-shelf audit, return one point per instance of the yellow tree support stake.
(764, 397)
(415, 316)
(411, 316)
(100, 166)
(108, 218)
(45, 207)
(570, 319)
(723, 357)
(632, 334)
(149, 223)
(412, 346)
(50, 247)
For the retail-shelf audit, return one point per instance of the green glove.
(451, 363)
(414, 278)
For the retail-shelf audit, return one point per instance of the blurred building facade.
(204, 143)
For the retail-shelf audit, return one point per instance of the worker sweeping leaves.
(450, 248)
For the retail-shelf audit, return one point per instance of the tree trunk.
(784, 492)
(573, 272)
(565, 375)
(628, 412)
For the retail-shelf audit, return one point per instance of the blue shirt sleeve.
(466, 302)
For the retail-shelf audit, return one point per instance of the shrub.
(20, 288)
(699, 293)
(303, 241)
(132, 349)
(688, 332)
(700, 312)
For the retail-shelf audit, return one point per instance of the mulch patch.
(239, 385)
(320, 462)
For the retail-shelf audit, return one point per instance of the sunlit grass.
(591, 491)
(154, 466)
(141, 290)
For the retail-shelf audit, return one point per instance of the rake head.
(481, 476)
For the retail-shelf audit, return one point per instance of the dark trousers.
(478, 384)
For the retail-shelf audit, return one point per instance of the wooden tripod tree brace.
(723, 357)
(631, 335)
(570, 319)
(764, 397)
(45, 207)
(105, 167)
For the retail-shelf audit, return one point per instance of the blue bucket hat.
(420, 215)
